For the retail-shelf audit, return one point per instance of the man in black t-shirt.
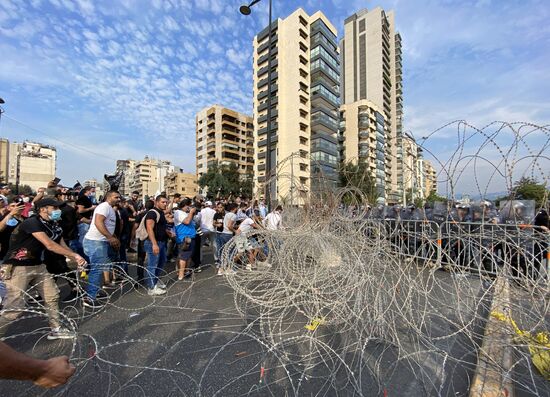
(218, 228)
(155, 246)
(23, 264)
(10, 217)
(85, 210)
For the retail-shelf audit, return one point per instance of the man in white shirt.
(244, 243)
(207, 227)
(97, 243)
(273, 221)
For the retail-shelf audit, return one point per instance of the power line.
(59, 140)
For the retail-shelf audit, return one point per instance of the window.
(303, 47)
(303, 113)
(303, 100)
(303, 127)
(303, 34)
(303, 21)
(303, 140)
(303, 60)
(303, 73)
(361, 25)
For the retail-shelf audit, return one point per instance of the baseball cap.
(47, 201)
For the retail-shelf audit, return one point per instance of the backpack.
(141, 231)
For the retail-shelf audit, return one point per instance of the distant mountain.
(489, 196)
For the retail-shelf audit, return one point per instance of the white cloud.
(237, 57)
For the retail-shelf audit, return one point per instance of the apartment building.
(148, 176)
(363, 137)
(225, 136)
(31, 163)
(304, 95)
(407, 169)
(372, 70)
(127, 169)
(430, 178)
(184, 183)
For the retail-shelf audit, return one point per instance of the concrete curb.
(493, 373)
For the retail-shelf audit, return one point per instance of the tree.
(357, 175)
(433, 197)
(226, 179)
(23, 189)
(529, 189)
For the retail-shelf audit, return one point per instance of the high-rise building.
(127, 169)
(148, 176)
(4, 159)
(430, 178)
(371, 70)
(363, 137)
(184, 183)
(305, 90)
(407, 169)
(225, 136)
(31, 163)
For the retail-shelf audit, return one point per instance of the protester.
(185, 234)
(244, 243)
(10, 217)
(155, 246)
(98, 244)
(229, 227)
(85, 209)
(273, 221)
(218, 227)
(23, 267)
(141, 255)
(4, 192)
(207, 228)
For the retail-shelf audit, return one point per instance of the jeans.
(122, 252)
(209, 236)
(221, 240)
(98, 252)
(82, 230)
(155, 263)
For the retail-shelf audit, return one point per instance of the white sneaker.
(155, 291)
(229, 272)
(220, 272)
(161, 285)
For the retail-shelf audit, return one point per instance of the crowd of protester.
(40, 236)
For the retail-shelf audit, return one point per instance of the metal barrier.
(415, 240)
(517, 250)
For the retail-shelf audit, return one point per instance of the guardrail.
(515, 250)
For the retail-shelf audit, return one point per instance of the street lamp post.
(1, 110)
(245, 10)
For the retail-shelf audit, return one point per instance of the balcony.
(274, 127)
(274, 38)
(263, 106)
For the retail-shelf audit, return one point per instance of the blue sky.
(104, 80)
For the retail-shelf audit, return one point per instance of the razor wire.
(341, 301)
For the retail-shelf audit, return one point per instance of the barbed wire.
(344, 300)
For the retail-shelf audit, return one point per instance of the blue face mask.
(55, 215)
(12, 222)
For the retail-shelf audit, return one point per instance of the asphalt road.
(193, 342)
